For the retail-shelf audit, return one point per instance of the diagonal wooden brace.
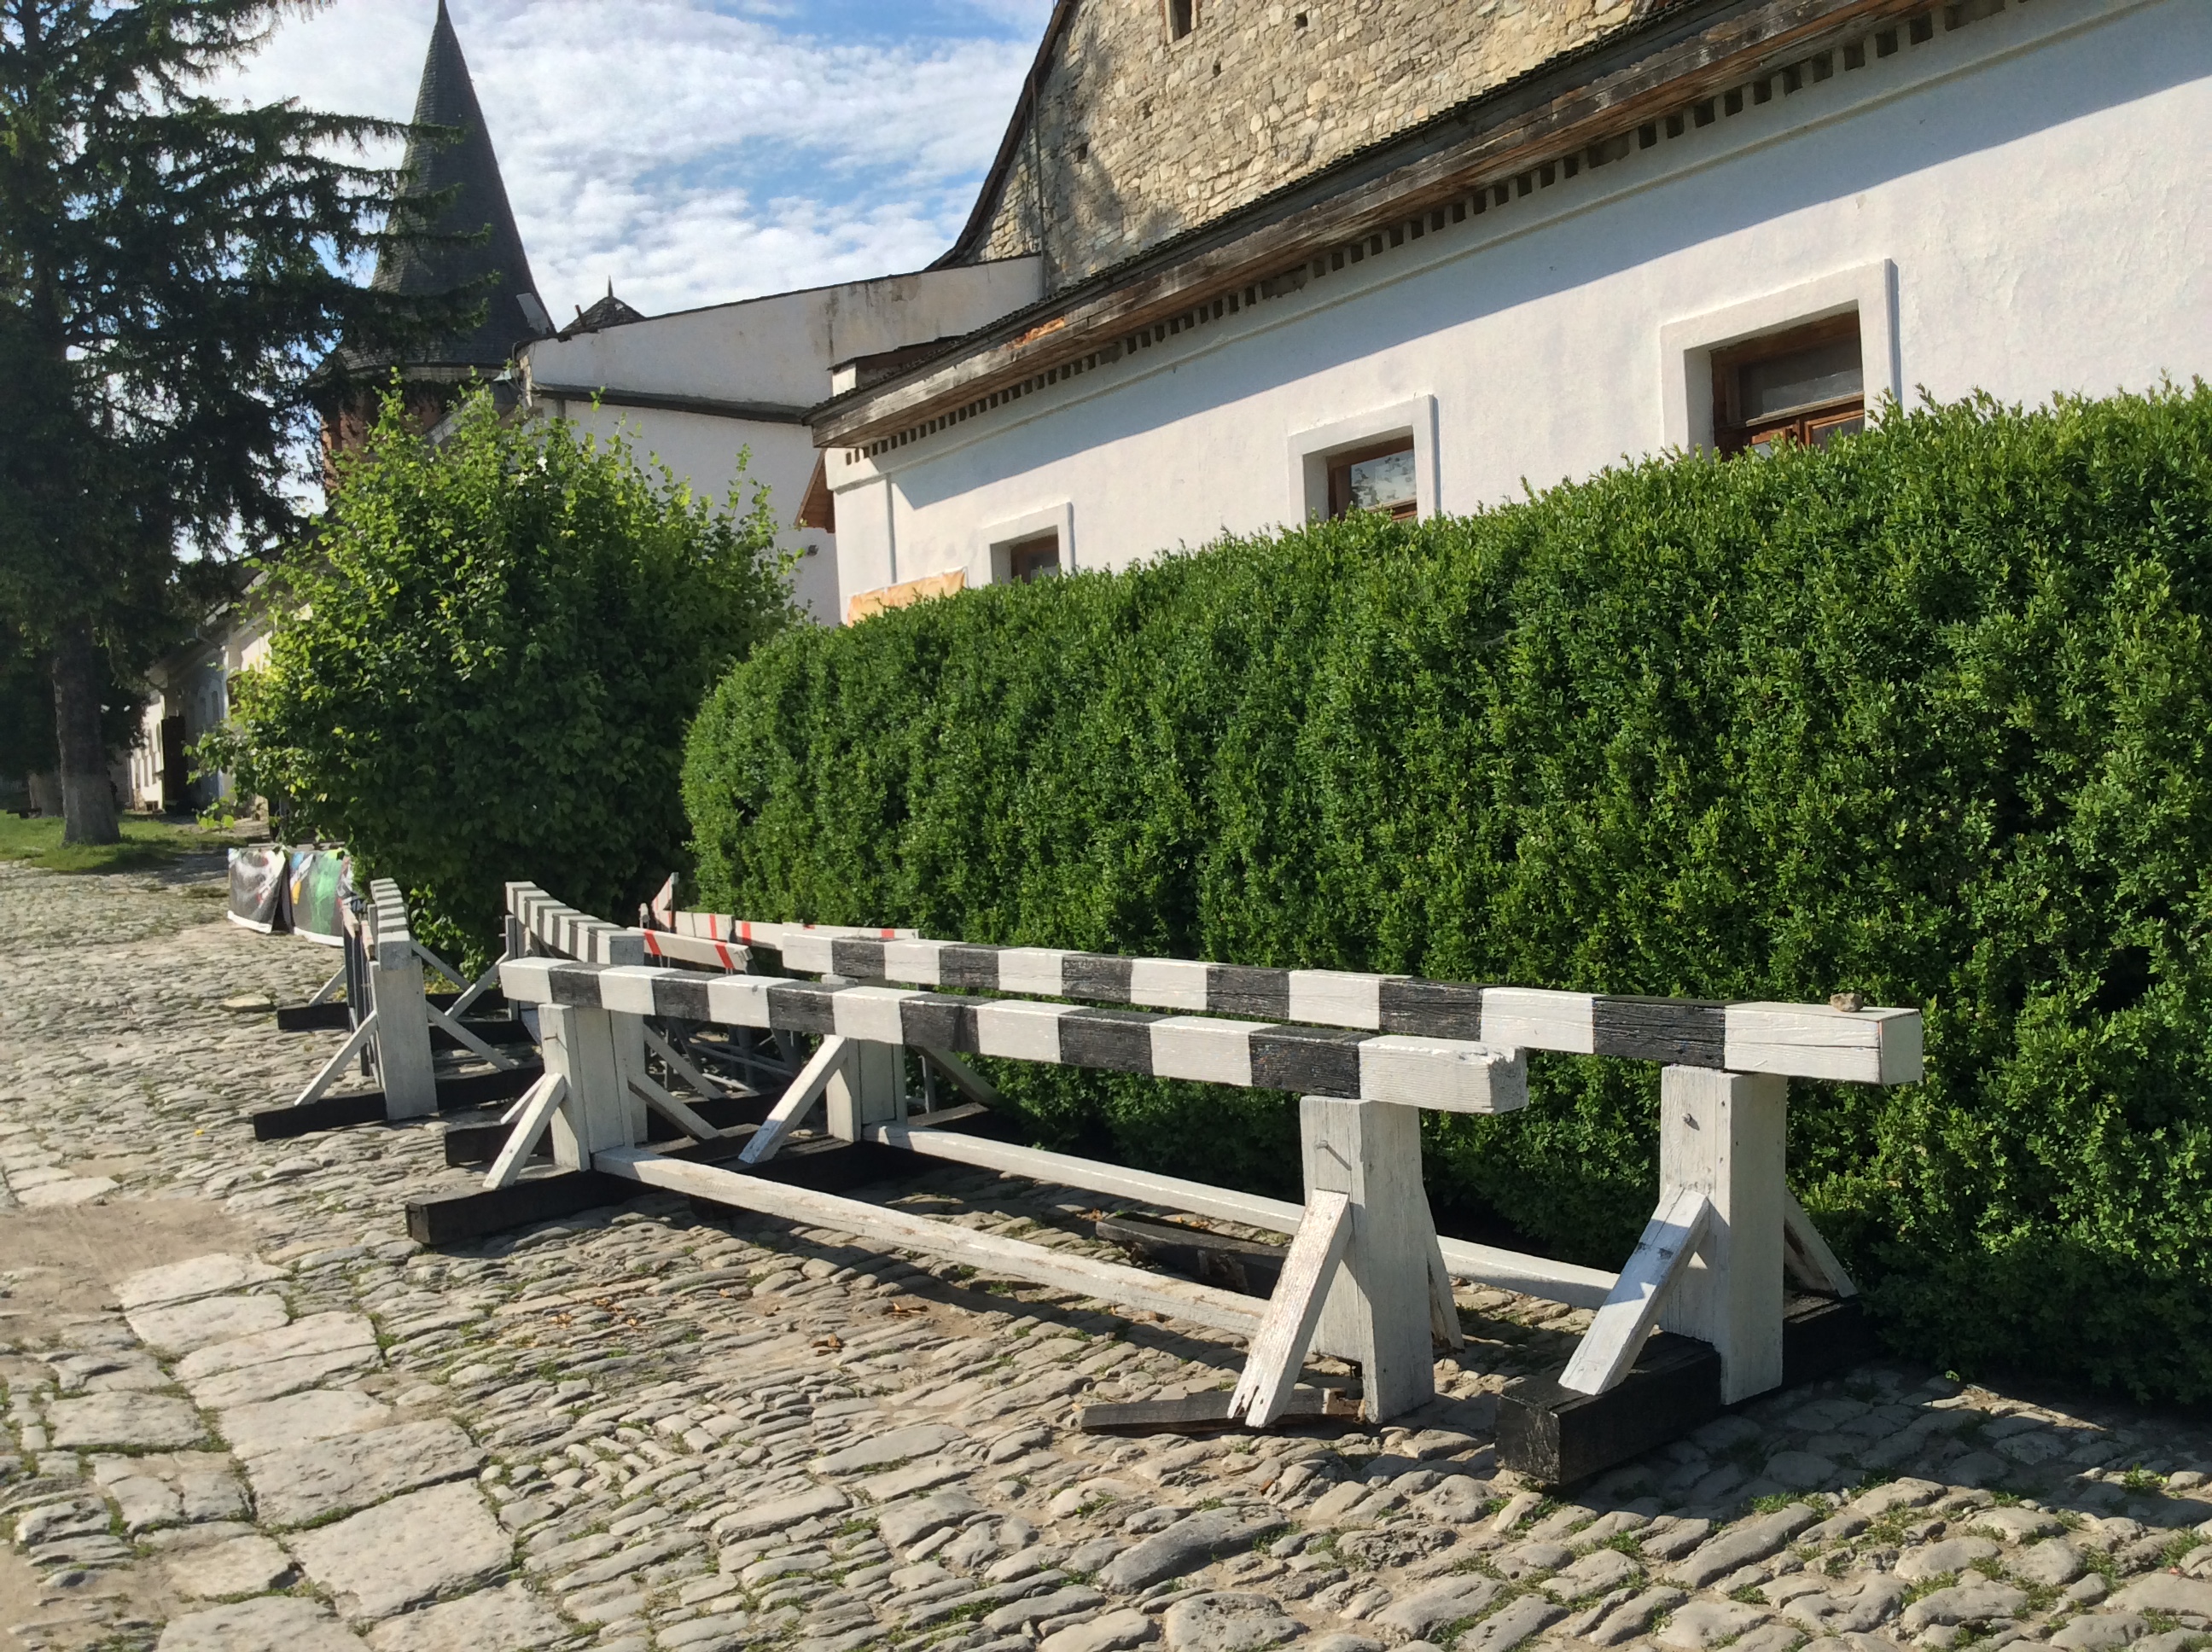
(681, 1067)
(322, 1080)
(533, 1114)
(671, 1109)
(1806, 1257)
(1278, 1348)
(797, 1102)
(461, 1036)
(1616, 1336)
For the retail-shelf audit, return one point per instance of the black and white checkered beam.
(1804, 1041)
(563, 929)
(1450, 1075)
(388, 926)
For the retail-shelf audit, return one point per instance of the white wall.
(774, 354)
(703, 451)
(2019, 204)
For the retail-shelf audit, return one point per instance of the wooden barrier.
(1364, 1277)
(398, 1032)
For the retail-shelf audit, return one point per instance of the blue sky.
(694, 151)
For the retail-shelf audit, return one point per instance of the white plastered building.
(695, 389)
(1718, 223)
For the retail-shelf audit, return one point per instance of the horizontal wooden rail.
(560, 928)
(1223, 1310)
(1506, 1270)
(1444, 1074)
(1799, 1041)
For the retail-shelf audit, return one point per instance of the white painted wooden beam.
(672, 1110)
(1278, 1349)
(1004, 1258)
(1808, 1261)
(796, 1101)
(467, 1039)
(683, 1068)
(534, 1112)
(322, 1080)
(1616, 1336)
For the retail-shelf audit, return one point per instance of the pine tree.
(173, 284)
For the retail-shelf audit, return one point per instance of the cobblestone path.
(245, 1412)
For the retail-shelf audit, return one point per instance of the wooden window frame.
(1023, 566)
(1811, 424)
(1339, 476)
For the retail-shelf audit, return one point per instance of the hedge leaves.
(1924, 715)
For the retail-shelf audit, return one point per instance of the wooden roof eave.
(1682, 71)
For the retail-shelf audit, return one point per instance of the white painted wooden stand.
(396, 1029)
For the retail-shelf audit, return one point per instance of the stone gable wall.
(1140, 138)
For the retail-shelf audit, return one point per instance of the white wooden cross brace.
(965, 1079)
(462, 1036)
(532, 1114)
(1805, 1254)
(1278, 1349)
(1616, 1336)
(322, 1080)
(794, 1104)
(682, 1068)
(482, 985)
(329, 989)
(672, 1109)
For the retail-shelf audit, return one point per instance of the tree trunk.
(87, 794)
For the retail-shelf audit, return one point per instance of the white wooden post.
(869, 1087)
(588, 1048)
(1724, 1135)
(403, 1024)
(1378, 1308)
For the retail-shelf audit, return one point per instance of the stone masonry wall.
(1141, 137)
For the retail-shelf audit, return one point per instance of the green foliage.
(1926, 715)
(485, 671)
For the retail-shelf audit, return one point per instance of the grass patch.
(147, 845)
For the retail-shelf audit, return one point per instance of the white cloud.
(692, 154)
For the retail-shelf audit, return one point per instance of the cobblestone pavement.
(245, 1411)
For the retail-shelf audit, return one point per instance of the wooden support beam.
(324, 1079)
(682, 1066)
(329, 989)
(1724, 1135)
(458, 1218)
(313, 1017)
(1209, 1413)
(1278, 1348)
(1004, 1257)
(1378, 1311)
(404, 1065)
(1806, 1259)
(799, 1100)
(477, 989)
(672, 1109)
(1558, 1436)
(1616, 1337)
(534, 1114)
(965, 1079)
(464, 1036)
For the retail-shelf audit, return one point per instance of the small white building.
(696, 388)
(1704, 225)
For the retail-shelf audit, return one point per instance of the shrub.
(482, 667)
(1924, 715)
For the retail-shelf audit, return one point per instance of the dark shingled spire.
(513, 312)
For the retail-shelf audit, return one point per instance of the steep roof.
(513, 312)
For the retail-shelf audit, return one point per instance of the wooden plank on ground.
(1558, 1437)
(457, 1218)
(1209, 1413)
(1007, 1258)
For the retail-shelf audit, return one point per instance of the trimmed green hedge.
(1924, 715)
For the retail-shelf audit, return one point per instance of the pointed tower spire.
(466, 165)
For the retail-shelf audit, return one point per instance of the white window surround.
(1311, 451)
(1687, 347)
(1001, 538)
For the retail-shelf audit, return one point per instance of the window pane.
(1806, 378)
(1383, 483)
(1821, 432)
